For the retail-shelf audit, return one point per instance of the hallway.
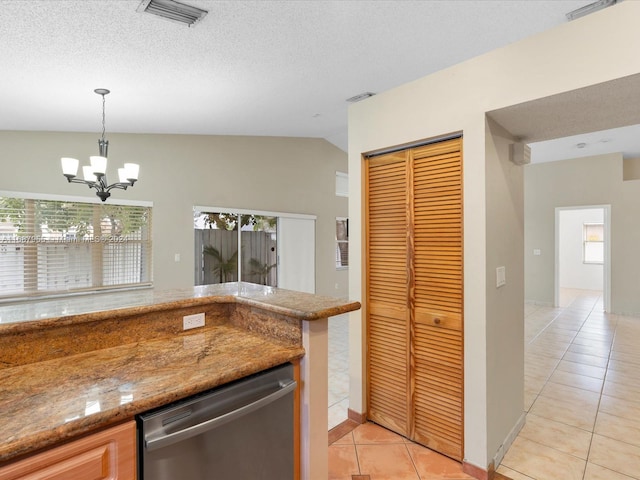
(582, 394)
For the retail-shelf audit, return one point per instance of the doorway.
(582, 251)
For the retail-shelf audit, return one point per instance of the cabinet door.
(387, 291)
(437, 336)
(107, 455)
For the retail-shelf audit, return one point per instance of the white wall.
(574, 273)
(294, 175)
(566, 58)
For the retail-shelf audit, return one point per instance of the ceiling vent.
(362, 96)
(587, 9)
(174, 11)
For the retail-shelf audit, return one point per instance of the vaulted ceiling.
(280, 68)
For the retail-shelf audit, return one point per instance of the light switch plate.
(536, 252)
(501, 278)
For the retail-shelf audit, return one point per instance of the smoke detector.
(172, 10)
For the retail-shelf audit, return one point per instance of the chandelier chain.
(103, 117)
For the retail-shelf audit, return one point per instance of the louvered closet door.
(437, 335)
(387, 312)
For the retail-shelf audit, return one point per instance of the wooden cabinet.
(107, 455)
(414, 294)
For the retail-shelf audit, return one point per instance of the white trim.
(72, 198)
(607, 259)
(241, 211)
(67, 294)
(342, 177)
(606, 288)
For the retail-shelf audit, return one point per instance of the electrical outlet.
(193, 321)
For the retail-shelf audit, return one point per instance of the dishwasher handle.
(165, 440)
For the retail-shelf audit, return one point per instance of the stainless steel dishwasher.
(239, 431)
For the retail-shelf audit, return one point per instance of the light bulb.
(69, 166)
(122, 175)
(131, 170)
(98, 165)
(87, 171)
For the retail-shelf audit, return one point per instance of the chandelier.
(95, 174)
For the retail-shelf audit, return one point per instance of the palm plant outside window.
(218, 258)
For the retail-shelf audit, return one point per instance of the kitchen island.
(72, 366)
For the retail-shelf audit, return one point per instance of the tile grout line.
(588, 321)
(595, 419)
(586, 460)
(563, 310)
(412, 461)
(615, 333)
(355, 447)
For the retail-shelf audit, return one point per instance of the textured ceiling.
(280, 68)
(599, 119)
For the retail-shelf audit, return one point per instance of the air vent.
(174, 11)
(587, 9)
(362, 96)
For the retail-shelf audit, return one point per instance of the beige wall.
(505, 313)
(293, 175)
(569, 57)
(579, 182)
(631, 168)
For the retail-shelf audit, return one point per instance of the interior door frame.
(606, 287)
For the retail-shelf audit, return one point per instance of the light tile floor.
(582, 394)
(338, 369)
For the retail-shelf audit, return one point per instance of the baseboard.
(538, 303)
(478, 472)
(356, 417)
(340, 430)
(499, 455)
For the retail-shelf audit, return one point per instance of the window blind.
(57, 246)
(342, 242)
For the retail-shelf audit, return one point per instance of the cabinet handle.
(436, 321)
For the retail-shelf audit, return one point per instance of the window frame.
(586, 242)
(339, 265)
(31, 280)
(342, 184)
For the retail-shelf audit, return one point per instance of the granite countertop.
(91, 307)
(47, 402)
(44, 403)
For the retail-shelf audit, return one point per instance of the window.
(342, 242)
(593, 243)
(342, 184)
(216, 244)
(66, 246)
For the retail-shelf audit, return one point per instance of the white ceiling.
(281, 68)
(624, 139)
